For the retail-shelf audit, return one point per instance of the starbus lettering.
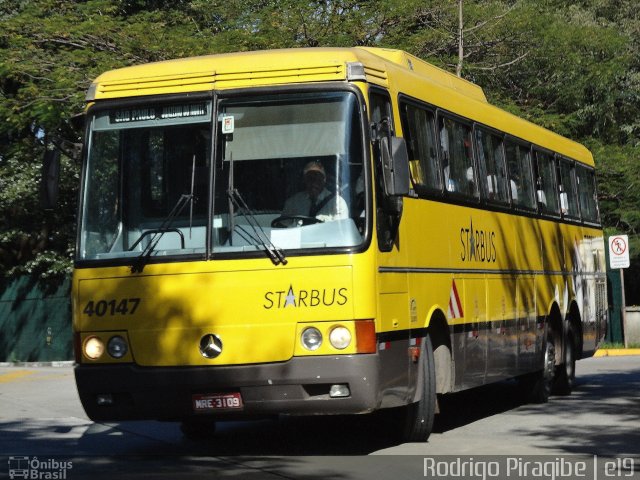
(477, 245)
(326, 297)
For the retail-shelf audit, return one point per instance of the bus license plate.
(217, 401)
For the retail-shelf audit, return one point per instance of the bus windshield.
(288, 174)
(295, 162)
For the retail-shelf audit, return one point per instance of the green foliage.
(619, 186)
(573, 67)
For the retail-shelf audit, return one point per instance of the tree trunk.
(460, 40)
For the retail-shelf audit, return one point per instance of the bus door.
(393, 307)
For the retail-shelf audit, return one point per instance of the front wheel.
(419, 416)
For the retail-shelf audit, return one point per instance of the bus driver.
(315, 200)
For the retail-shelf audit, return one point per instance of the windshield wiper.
(165, 226)
(259, 236)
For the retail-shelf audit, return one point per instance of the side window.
(586, 181)
(546, 190)
(520, 180)
(457, 158)
(380, 107)
(419, 128)
(492, 165)
(568, 199)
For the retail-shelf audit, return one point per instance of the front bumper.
(298, 386)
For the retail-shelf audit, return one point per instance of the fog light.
(339, 391)
(104, 399)
(93, 348)
(340, 338)
(311, 338)
(117, 347)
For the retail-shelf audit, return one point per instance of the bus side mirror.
(50, 179)
(395, 166)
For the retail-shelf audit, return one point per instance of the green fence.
(35, 320)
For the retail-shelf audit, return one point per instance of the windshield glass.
(296, 162)
(288, 176)
(146, 187)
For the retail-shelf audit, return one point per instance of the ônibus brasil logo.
(34, 468)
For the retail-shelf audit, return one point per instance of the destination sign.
(145, 114)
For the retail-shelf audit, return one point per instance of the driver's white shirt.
(300, 204)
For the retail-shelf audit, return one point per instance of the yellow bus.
(324, 231)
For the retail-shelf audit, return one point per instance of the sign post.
(619, 258)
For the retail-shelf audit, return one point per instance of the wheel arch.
(554, 324)
(438, 330)
(573, 326)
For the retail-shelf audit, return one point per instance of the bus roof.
(395, 69)
(267, 67)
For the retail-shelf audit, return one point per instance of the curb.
(56, 364)
(617, 352)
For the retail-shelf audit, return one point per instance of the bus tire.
(194, 429)
(419, 416)
(537, 386)
(566, 372)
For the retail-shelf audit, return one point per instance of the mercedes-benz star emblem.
(210, 345)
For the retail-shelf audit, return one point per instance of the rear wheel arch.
(555, 327)
(573, 324)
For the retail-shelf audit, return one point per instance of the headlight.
(117, 347)
(93, 348)
(311, 338)
(340, 337)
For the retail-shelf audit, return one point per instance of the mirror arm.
(69, 149)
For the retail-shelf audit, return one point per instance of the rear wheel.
(566, 372)
(537, 386)
(418, 417)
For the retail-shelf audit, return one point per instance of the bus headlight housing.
(311, 338)
(340, 337)
(93, 348)
(117, 347)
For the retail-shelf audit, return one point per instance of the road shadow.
(469, 406)
(267, 448)
(601, 416)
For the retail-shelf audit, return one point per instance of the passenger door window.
(386, 223)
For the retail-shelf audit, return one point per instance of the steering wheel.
(284, 221)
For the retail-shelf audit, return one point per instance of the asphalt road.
(41, 418)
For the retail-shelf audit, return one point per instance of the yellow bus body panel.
(253, 307)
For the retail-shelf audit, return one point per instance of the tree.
(573, 67)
